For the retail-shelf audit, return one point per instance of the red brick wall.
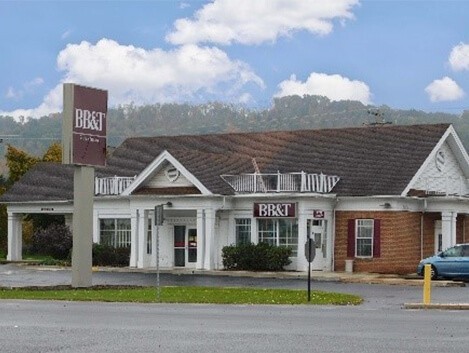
(400, 240)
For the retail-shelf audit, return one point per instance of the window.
(115, 232)
(364, 238)
(243, 230)
(279, 232)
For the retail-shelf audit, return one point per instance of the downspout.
(421, 227)
(333, 234)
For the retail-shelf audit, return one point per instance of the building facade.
(382, 196)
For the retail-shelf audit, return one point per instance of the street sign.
(159, 215)
(310, 250)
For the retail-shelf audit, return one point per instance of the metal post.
(309, 268)
(158, 289)
(427, 281)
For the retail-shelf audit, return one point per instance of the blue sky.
(405, 54)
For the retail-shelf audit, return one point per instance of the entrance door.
(185, 246)
(317, 230)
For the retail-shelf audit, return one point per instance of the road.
(379, 325)
(70, 327)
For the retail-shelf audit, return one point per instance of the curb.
(436, 306)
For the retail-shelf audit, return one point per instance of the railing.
(281, 182)
(112, 185)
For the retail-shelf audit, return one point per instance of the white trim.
(456, 147)
(147, 173)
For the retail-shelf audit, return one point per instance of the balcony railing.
(281, 182)
(112, 185)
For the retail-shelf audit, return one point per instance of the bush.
(256, 257)
(55, 241)
(105, 255)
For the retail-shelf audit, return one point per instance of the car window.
(453, 252)
(465, 251)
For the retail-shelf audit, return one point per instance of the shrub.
(256, 257)
(106, 255)
(54, 240)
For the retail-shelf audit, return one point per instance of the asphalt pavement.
(378, 291)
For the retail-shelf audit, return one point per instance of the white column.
(15, 237)
(133, 238)
(209, 259)
(200, 239)
(140, 236)
(448, 229)
(302, 263)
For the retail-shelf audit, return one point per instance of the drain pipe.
(421, 227)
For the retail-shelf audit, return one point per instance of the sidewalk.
(344, 277)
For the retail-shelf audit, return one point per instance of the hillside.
(287, 113)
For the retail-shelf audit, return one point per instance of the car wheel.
(434, 273)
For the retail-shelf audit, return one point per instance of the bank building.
(377, 198)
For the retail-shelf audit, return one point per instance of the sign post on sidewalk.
(84, 146)
(310, 253)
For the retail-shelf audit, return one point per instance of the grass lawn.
(207, 295)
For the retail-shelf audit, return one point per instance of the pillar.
(448, 229)
(209, 259)
(302, 263)
(15, 237)
(133, 238)
(200, 239)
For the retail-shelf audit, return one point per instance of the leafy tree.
(18, 162)
(53, 153)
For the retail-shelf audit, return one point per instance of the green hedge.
(256, 257)
(105, 255)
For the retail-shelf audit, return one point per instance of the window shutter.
(377, 238)
(351, 238)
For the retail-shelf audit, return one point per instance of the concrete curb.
(437, 306)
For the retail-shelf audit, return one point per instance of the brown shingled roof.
(370, 160)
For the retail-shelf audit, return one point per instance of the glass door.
(192, 246)
(185, 246)
(317, 230)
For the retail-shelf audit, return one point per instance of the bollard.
(427, 282)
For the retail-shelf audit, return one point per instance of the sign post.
(158, 222)
(84, 146)
(310, 253)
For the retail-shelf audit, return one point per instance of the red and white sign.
(318, 214)
(89, 126)
(275, 210)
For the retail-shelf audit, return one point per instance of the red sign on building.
(275, 210)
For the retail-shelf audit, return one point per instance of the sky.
(406, 54)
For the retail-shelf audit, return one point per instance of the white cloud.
(12, 93)
(184, 5)
(66, 34)
(38, 81)
(335, 87)
(132, 74)
(253, 22)
(445, 89)
(459, 57)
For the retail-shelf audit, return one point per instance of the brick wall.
(400, 240)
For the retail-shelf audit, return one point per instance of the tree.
(18, 162)
(53, 153)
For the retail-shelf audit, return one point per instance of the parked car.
(451, 263)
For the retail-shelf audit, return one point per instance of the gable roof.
(370, 160)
